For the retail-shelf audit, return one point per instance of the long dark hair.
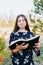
(16, 28)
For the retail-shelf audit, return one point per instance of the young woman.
(22, 54)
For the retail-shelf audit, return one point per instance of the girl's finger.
(16, 44)
(34, 46)
(26, 45)
(22, 44)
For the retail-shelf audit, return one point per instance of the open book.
(30, 41)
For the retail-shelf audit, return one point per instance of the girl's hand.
(20, 47)
(37, 46)
(25, 46)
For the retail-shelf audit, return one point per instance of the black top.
(23, 57)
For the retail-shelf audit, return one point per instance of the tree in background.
(38, 6)
(38, 9)
(37, 24)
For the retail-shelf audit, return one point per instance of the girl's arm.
(19, 47)
(36, 49)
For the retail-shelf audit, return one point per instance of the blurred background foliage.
(6, 27)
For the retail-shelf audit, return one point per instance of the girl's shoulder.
(27, 32)
(31, 33)
(15, 33)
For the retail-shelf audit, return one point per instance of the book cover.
(30, 41)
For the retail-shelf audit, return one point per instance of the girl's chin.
(22, 27)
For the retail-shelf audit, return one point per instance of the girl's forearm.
(14, 50)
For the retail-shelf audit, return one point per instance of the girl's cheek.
(25, 23)
(18, 24)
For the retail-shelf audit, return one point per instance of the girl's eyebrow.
(19, 20)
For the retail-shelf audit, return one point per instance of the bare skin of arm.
(19, 47)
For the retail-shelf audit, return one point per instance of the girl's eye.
(19, 20)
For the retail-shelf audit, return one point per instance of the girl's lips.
(22, 24)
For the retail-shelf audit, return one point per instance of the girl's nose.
(21, 21)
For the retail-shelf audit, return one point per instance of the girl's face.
(21, 22)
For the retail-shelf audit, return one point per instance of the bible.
(30, 41)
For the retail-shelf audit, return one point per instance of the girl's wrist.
(37, 49)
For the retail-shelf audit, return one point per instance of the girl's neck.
(22, 30)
